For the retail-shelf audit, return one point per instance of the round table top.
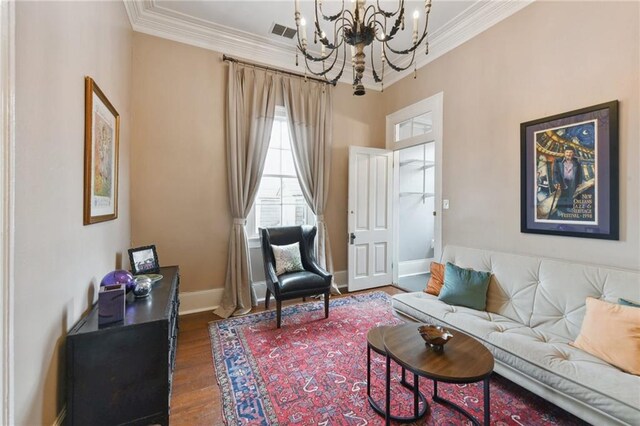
(375, 340)
(464, 360)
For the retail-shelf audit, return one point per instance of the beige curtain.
(250, 110)
(309, 113)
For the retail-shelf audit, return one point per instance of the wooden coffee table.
(464, 360)
(375, 343)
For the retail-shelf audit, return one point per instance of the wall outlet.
(445, 204)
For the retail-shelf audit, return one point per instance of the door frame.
(7, 190)
(433, 104)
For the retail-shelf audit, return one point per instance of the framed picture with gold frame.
(101, 140)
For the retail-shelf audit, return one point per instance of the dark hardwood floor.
(196, 397)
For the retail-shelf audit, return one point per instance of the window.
(415, 126)
(279, 201)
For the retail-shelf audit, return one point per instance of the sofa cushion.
(611, 332)
(464, 287)
(513, 280)
(436, 278)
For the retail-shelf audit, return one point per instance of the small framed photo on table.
(144, 260)
(569, 173)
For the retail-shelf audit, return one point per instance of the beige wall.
(179, 182)
(549, 58)
(58, 261)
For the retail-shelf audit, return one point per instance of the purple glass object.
(119, 276)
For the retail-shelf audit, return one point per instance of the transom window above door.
(414, 126)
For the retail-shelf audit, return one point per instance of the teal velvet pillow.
(465, 287)
(626, 302)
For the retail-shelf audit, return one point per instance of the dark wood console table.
(121, 373)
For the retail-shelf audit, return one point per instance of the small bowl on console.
(435, 336)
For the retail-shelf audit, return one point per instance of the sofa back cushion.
(545, 294)
(560, 298)
(512, 283)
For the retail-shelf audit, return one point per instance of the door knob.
(352, 237)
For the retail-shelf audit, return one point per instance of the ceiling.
(243, 28)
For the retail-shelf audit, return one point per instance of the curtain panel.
(251, 101)
(309, 107)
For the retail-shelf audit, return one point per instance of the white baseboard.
(200, 301)
(413, 267)
(208, 300)
(59, 421)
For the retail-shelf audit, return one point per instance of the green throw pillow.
(465, 287)
(626, 302)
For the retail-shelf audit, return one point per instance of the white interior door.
(370, 218)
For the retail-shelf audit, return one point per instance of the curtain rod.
(277, 70)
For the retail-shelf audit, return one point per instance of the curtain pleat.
(250, 112)
(309, 107)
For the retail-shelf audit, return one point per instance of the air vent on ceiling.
(281, 30)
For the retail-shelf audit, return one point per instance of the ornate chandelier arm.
(329, 18)
(412, 48)
(390, 14)
(336, 30)
(397, 68)
(324, 72)
(376, 78)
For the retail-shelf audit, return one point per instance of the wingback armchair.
(291, 285)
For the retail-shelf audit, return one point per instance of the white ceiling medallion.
(148, 17)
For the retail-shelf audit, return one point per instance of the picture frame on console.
(569, 173)
(101, 143)
(144, 260)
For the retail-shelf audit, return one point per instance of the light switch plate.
(445, 204)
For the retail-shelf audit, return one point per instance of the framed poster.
(569, 173)
(101, 138)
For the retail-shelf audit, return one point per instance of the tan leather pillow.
(611, 332)
(434, 285)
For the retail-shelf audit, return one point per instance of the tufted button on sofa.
(535, 308)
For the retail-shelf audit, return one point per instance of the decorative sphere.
(142, 286)
(119, 276)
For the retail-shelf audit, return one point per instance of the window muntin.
(415, 126)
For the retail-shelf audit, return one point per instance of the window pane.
(272, 163)
(294, 214)
(286, 142)
(268, 215)
(270, 191)
(291, 192)
(288, 168)
(422, 124)
(276, 134)
(403, 130)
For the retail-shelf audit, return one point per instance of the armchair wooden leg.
(304, 299)
(266, 299)
(326, 304)
(278, 313)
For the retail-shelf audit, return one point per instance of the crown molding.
(146, 16)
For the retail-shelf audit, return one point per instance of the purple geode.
(119, 276)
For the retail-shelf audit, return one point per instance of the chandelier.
(358, 27)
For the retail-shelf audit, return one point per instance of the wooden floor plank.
(195, 398)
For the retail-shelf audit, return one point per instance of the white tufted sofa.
(535, 307)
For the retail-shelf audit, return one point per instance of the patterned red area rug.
(313, 371)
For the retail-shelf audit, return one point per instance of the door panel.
(370, 224)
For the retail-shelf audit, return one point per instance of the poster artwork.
(103, 167)
(566, 177)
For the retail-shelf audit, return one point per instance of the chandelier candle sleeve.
(363, 32)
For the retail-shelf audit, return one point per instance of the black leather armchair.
(291, 285)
